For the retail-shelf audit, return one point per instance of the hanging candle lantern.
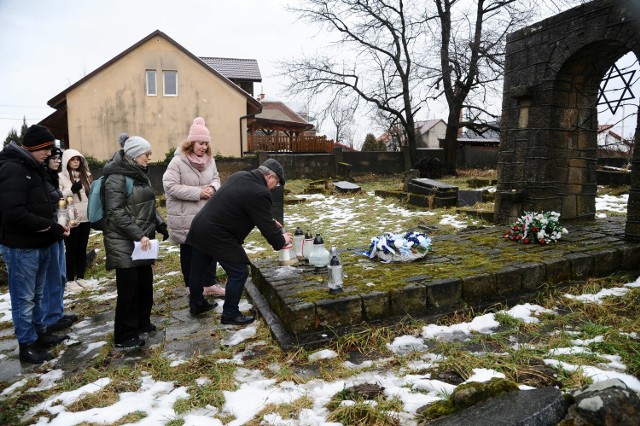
(335, 272)
(307, 245)
(298, 240)
(319, 256)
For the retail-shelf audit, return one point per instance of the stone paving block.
(533, 275)
(377, 305)
(581, 265)
(444, 292)
(411, 300)
(630, 257)
(509, 281)
(335, 313)
(605, 261)
(558, 270)
(300, 318)
(479, 288)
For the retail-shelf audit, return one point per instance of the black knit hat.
(37, 137)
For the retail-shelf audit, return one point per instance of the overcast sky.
(48, 45)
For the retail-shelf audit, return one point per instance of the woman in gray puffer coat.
(131, 216)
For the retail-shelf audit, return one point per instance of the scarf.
(199, 163)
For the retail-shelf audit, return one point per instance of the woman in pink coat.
(189, 182)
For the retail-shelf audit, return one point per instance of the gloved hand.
(57, 230)
(75, 188)
(162, 228)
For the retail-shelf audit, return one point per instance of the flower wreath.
(536, 228)
(399, 247)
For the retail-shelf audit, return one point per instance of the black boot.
(48, 340)
(132, 343)
(61, 324)
(201, 308)
(34, 354)
(238, 319)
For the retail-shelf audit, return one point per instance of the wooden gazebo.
(278, 129)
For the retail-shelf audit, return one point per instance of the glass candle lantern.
(287, 256)
(298, 240)
(335, 272)
(319, 256)
(307, 245)
(73, 212)
(62, 214)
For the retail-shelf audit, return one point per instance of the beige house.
(155, 89)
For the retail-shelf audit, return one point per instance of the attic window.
(170, 83)
(152, 87)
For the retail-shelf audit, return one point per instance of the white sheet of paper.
(139, 254)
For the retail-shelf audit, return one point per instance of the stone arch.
(548, 143)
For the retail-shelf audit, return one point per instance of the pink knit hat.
(198, 132)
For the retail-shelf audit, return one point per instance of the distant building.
(609, 140)
(429, 133)
(487, 136)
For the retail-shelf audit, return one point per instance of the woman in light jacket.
(131, 217)
(190, 181)
(75, 180)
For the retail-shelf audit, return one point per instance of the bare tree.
(471, 36)
(470, 59)
(340, 112)
(397, 55)
(377, 40)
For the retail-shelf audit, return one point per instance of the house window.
(170, 83)
(152, 88)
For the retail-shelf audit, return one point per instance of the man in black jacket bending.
(28, 230)
(219, 229)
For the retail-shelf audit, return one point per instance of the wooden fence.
(284, 143)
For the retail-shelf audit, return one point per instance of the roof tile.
(235, 69)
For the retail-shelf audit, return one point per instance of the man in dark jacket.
(27, 230)
(219, 229)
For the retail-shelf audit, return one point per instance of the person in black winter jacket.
(218, 231)
(131, 217)
(28, 228)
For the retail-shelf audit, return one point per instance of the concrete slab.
(430, 183)
(344, 186)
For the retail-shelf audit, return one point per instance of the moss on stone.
(467, 395)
